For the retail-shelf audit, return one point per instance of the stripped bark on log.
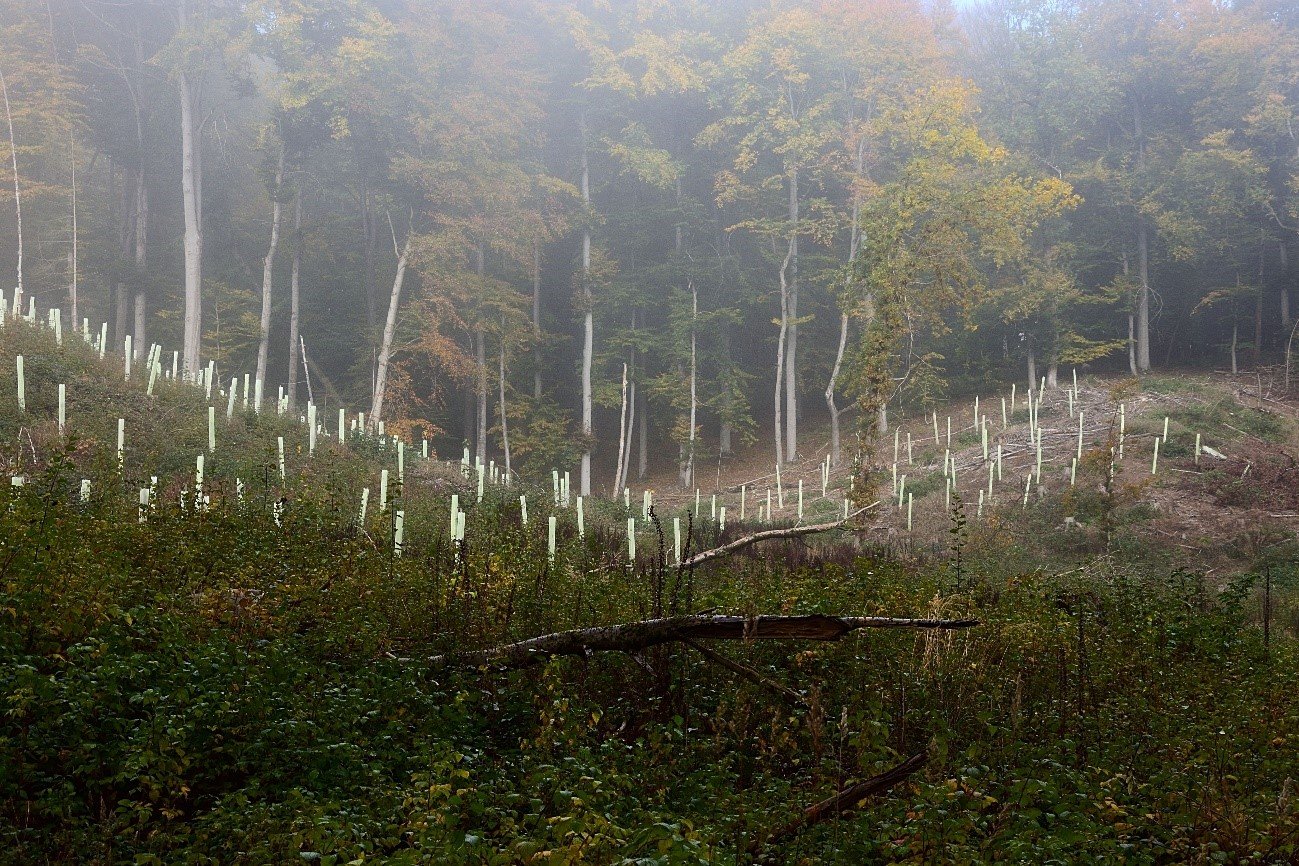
(770, 535)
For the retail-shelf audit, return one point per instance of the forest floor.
(1243, 489)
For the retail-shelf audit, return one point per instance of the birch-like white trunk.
(791, 344)
(18, 194)
(191, 174)
(389, 328)
(505, 426)
(622, 435)
(294, 296)
(268, 273)
(780, 354)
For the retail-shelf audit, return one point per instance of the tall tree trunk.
(18, 195)
(622, 434)
(791, 343)
(480, 354)
(588, 323)
(536, 319)
(1235, 336)
(126, 232)
(294, 304)
(1132, 345)
(505, 428)
(1143, 298)
(1258, 304)
(835, 455)
(780, 353)
(1285, 288)
(73, 306)
(389, 328)
(268, 275)
(191, 193)
(1032, 368)
(1143, 253)
(688, 470)
(1053, 373)
(141, 222)
(642, 454)
(480, 405)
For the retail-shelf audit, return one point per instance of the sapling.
(126, 359)
(175, 358)
(896, 441)
(1165, 428)
(909, 507)
(631, 541)
(1028, 483)
(908, 447)
(280, 446)
(1154, 460)
(523, 510)
(22, 385)
(382, 431)
(1122, 428)
(743, 504)
(713, 512)
(581, 519)
(423, 447)
(239, 490)
(1005, 422)
(16, 481)
(1080, 434)
(144, 504)
(198, 477)
(153, 377)
(696, 502)
(935, 428)
(246, 380)
(85, 490)
(103, 339)
(401, 455)
(342, 426)
(398, 530)
(455, 509)
(209, 376)
(902, 487)
(1197, 449)
(550, 537)
(121, 441)
(979, 512)
(383, 490)
(626, 498)
(676, 538)
(949, 431)
(58, 326)
(721, 518)
(63, 407)
(845, 508)
(481, 471)
(800, 499)
(894, 486)
(554, 477)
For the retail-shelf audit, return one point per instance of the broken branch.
(635, 636)
(769, 535)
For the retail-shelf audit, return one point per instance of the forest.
(468, 218)
(649, 432)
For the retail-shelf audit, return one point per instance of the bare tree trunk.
(18, 195)
(268, 274)
(622, 434)
(127, 231)
(625, 465)
(1052, 374)
(505, 428)
(191, 178)
(72, 254)
(1032, 367)
(536, 319)
(1143, 298)
(141, 266)
(791, 343)
(642, 456)
(480, 355)
(688, 469)
(1285, 288)
(294, 299)
(588, 324)
(780, 353)
(389, 328)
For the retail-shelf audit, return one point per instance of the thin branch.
(748, 673)
(769, 535)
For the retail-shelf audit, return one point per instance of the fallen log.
(770, 535)
(635, 636)
(846, 800)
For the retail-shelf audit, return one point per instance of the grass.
(225, 686)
